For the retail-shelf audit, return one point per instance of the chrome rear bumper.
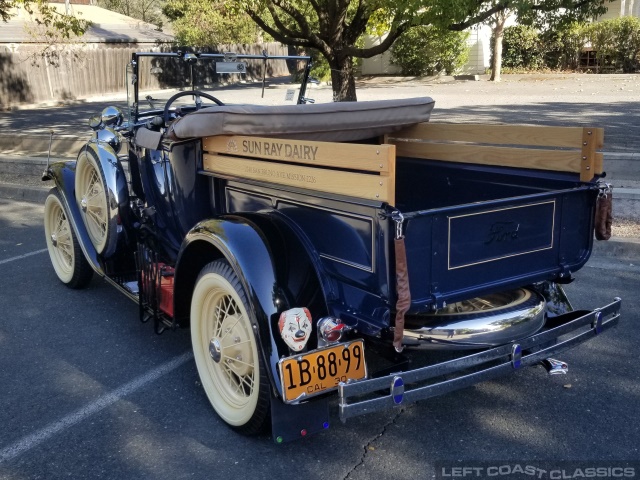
(407, 387)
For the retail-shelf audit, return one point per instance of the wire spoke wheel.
(65, 253)
(519, 303)
(92, 198)
(487, 303)
(226, 350)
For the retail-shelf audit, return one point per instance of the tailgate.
(458, 252)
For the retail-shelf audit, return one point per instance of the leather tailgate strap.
(402, 289)
(604, 216)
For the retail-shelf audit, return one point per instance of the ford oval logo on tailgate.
(491, 235)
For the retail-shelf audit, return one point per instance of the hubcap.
(54, 240)
(84, 203)
(214, 350)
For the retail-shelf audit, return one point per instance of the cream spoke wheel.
(236, 364)
(226, 350)
(92, 197)
(97, 217)
(63, 239)
(58, 239)
(64, 251)
(489, 303)
(95, 208)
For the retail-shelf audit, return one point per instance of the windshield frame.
(135, 72)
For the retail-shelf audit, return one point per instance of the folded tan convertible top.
(332, 122)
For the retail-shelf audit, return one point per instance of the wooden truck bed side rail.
(574, 148)
(363, 171)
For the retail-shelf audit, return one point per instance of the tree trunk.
(342, 80)
(498, 34)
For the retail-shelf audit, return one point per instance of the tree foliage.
(616, 43)
(149, 11)
(563, 45)
(202, 23)
(522, 48)
(333, 26)
(47, 16)
(428, 50)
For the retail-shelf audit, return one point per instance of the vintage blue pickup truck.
(323, 250)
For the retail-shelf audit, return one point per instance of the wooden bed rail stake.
(592, 139)
(570, 149)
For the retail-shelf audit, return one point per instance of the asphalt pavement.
(89, 392)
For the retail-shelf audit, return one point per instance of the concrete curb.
(24, 165)
(37, 144)
(617, 247)
(23, 193)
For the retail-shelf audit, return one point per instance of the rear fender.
(273, 265)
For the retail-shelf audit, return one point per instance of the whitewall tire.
(65, 253)
(226, 349)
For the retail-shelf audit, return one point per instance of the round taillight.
(331, 329)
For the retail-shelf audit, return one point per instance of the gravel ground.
(625, 228)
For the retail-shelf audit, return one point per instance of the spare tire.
(98, 212)
(479, 322)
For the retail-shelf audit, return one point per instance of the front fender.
(273, 265)
(64, 174)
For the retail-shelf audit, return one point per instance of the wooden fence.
(82, 71)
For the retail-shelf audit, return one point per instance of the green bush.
(563, 46)
(521, 48)
(617, 43)
(427, 50)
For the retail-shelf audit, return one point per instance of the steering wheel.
(193, 93)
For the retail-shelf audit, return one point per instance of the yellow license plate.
(319, 371)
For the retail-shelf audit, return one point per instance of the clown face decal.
(295, 328)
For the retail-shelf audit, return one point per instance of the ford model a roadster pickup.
(331, 249)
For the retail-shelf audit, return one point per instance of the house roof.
(107, 27)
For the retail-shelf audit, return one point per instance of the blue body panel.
(514, 228)
(473, 230)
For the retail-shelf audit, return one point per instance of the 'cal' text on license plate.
(308, 374)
